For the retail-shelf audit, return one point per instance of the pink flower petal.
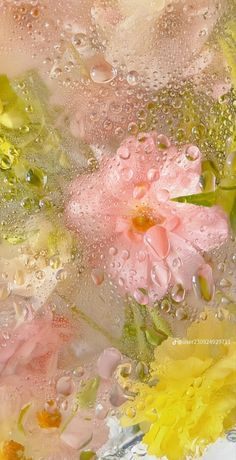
(206, 228)
(157, 241)
(108, 362)
(183, 261)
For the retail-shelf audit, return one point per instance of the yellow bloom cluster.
(189, 399)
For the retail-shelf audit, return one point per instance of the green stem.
(95, 326)
(160, 323)
(143, 348)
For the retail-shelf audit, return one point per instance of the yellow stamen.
(144, 220)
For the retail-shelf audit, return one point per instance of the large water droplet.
(103, 72)
(97, 276)
(203, 283)
(141, 297)
(65, 386)
(178, 293)
(132, 78)
(192, 153)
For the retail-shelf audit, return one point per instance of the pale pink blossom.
(32, 348)
(130, 225)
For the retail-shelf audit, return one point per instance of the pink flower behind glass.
(125, 214)
(32, 347)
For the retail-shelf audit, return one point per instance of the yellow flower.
(189, 400)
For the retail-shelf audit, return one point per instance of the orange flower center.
(50, 418)
(144, 220)
(12, 450)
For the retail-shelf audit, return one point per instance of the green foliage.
(86, 397)
(32, 157)
(144, 329)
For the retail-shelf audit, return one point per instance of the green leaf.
(32, 156)
(233, 217)
(228, 44)
(87, 396)
(87, 455)
(199, 199)
(13, 109)
(160, 323)
(22, 415)
(154, 337)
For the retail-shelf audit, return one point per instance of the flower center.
(12, 450)
(50, 418)
(143, 220)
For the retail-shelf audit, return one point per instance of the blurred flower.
(173, 31)
(126, 211)
(38, 265)
(32, 347)
(189, 400)
(29, 369)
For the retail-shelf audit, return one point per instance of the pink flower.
(158, 40)
(125, 214)
(32, 347)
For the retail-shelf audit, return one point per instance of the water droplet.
(181, 314)
(113, 251)
(160, 275)
(130, 412)
(123, 153)
(141, 297)
(64, 405)
(140, 191)
(163, 142)
(5, 291)
(19, 277)
(103, 73)
(192, 153)
(65, 386)
(97, 276)
(55, 262)
(55, 72)
(177, 263)
(5, 162)
(141, 370)
(127, 174)
(219, 315)
(178, 293)
(231, 436)
(139, 450)
(36, 177)
(203, 283)
(125, 254)
(165, 306)
(132, 78)
(225, 283)
(133, 129)
(80, 40)
(141, 256)
(39, 274)
(61, 275)
(152, 175)
(163, 195)
(101, 411)
(221, 267)
(203, 315)
(231, 162)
